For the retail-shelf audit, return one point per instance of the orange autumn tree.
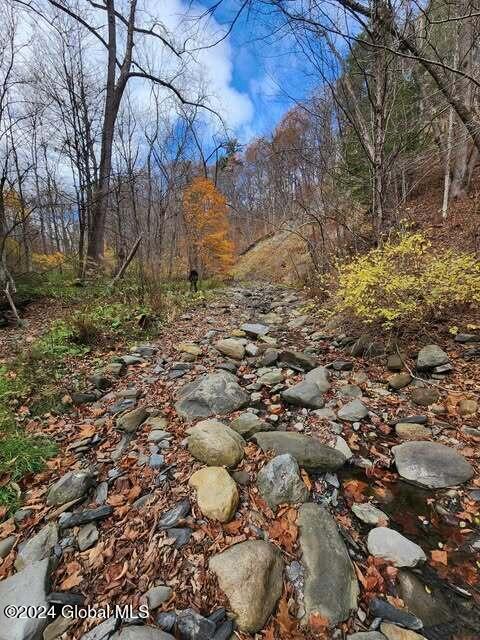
(207, 226)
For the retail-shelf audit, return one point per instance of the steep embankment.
(282, 257)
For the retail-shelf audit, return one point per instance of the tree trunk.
(96, 232)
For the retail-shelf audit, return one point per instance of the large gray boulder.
(279, 482)
(247, 424)
(296, 360)
(331, 587)
(320, 376)
(28, 588)
(307, 451)
(431, 356)
(215, 444)
(71, 486)
(304, 394)
(390, 545)
(231, 348)
(432, 465)
(38, 547)
(212, 394)
(250, 574)
(353, 411)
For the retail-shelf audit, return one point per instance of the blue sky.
(267, 69)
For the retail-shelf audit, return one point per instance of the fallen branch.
(127, 262)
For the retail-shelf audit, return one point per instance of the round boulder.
(215, 444)
(231, 348)
(217, 494)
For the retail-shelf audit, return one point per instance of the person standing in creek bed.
(193, 279)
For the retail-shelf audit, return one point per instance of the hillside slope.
(282, 257)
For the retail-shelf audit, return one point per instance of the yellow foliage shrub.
(47, 261)
(406, 281)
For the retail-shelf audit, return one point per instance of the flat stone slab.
(27, 588)
(331, 587)
(212, 394)
(432, 465)
(307, 451)
(255, 329)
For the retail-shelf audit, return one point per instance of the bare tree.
(120, 68)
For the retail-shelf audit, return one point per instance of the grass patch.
(9, 499)
(21, 455)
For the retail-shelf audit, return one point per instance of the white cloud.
(202, 72)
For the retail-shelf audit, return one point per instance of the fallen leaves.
(355, 490)
(318, 625)
(439, 555)
(74, 576)
(287, 624)
(284, 528)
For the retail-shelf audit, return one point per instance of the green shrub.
(405, 282)
(58, 342)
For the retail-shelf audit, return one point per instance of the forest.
(240, 319)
